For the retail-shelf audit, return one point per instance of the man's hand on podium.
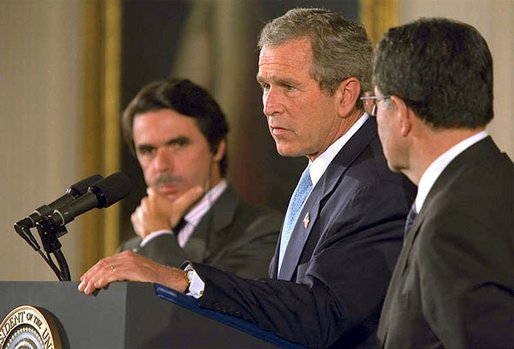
(130, 266)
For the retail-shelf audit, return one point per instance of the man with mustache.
(178, 132)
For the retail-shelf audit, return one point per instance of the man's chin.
(171, 197)
(286, 151)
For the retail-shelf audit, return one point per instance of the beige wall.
(40, 74)
(39, 114)
(495, 21)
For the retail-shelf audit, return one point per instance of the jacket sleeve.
(247, 246)
(341, 287)
(164, 249)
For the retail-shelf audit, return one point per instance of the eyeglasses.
(374, 99)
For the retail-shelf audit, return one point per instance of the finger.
(185, 201)
(136, 222)
(100, 274)
(151, 191)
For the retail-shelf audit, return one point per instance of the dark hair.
(441, 68)
(184, 97)
(340, 47)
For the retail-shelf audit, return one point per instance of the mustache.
(166, 178)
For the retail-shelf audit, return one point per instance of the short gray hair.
(340, 47)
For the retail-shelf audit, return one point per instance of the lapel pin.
(306, 220)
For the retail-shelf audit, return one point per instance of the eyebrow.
(175, 140)
(279, 81)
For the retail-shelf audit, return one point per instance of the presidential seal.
(27, 327)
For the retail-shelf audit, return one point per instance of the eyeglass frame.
(374, 99)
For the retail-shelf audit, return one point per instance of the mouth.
(278, 131)
(167, 189)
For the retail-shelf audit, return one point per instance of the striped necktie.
(301, 192)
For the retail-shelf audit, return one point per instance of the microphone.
(76, 190)
(73, 192)
(101, 194)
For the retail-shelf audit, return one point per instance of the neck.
(430, 145)
(343, 126)
(214, 181)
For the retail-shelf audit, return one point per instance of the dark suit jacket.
(233, 235)
(453, 286)
(337, 268)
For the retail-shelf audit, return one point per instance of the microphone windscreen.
(112, 189)
(80, 188)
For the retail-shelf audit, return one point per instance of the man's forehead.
(292, 50)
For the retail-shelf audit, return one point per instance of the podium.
(133, 315)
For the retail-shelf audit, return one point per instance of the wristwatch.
(188, 275)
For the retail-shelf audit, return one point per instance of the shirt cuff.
(196, 284)
(153, 235)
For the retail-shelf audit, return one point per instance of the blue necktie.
(301, 192)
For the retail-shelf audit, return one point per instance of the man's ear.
(348, 92)
(219, 151)
(405, 115)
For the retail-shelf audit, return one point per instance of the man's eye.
(264, 86)
(146, 150)
(178, 143)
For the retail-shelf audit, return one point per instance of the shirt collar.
(435, 169)
(196, 213)
(320, 164)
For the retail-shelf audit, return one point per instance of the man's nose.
(271, 102)
(163, 160)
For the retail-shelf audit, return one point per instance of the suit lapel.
(325, 186)
(300, 234)
(409, 240)
(477, 152)
(216, 219)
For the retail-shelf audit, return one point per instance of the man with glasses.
(344, 226)
(453, 285)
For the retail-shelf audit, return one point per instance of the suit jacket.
(233, 235)
(339, 259)
(453, 286)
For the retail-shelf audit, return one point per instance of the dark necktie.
(410, 220)
(180, 225)
(301, 192)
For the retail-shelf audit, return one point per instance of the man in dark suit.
(178, 132)
(453, 286)
(344, 226)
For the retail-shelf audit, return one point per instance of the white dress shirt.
(435, 169)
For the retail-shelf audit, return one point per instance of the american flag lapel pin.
(306, 220)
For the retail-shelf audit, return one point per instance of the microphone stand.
(49, 233)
